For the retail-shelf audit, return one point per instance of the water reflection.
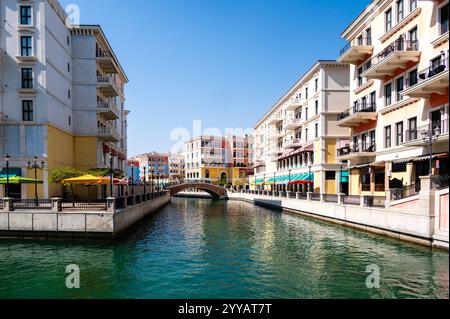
(205, 249)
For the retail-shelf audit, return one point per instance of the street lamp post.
(132, 178)
(35, 166)
(430, 137)
(145, 180)
(309, 176)
(7, 158)
(111, 175)
(289, 181)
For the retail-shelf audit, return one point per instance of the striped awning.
(418, 158)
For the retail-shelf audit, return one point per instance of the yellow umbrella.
(86, 180)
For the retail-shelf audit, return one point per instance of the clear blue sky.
(224, 62)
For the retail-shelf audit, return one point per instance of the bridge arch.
(216, 192)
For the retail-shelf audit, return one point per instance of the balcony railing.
(434, 129)
(109, 133)
(405, 192)
(103, 54)
(428, 73)
(108, 107)
(356, 149)
(108, 81)
(399, 45)
(439, 182)
(357, 42)
(358, 108)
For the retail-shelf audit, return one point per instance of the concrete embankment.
(399, 224)
(46, 224)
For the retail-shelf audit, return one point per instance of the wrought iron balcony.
(359, 114)
(419, 136)
(360, 150)
(433, 79)
(357, 51)
(396, 55)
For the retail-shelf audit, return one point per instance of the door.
(436, 122)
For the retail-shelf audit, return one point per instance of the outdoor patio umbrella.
(20, 180)
(86, 180)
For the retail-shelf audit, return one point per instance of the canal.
(204, 249)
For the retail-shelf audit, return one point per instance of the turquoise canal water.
(205, 249)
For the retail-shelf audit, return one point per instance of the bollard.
(56, 204)
(8, 204)
(110, 204)
(308, 196)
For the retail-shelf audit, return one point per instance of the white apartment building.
(296, 141)
(398, 52)
(219, 159)
(61, 94)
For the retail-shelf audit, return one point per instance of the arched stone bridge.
(216, 192)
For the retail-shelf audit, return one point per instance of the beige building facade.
(398, 54)
(296, 141)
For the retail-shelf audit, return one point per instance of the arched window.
(207, 173)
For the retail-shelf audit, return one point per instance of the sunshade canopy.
(19, 180)
(87, 180)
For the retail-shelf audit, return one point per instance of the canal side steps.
(421, 219)
(79, 220)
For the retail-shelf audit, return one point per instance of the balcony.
(294, 104)
(354, 54)
(293, 124)
(108, 110)
(276, 151)
(292, 144)
(276, 118)
(106, 60)
(357, 151)
(397, 55)
(438, 132)
(360, 113)
(107, 86)
(108, 134)
(431, 80)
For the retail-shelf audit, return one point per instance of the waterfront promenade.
(421, 218)
(77, 219)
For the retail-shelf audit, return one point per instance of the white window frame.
(438, 17)
(395, 90)
(19, 16)
(19, 44)
(392, 93)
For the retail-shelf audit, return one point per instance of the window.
(316, 129)
(373, 140)
(387, 137)
(399, 167)
(400, 86)
(27, 78)
(388, 20)
(413, 78)
(317, 107)
(373, 101)
(68, 40)
(306, 113)
(25, 15)
(360, 40)
(316, 84)
(68, 67)
(388, 94)
(369, 36)
(364, 147)
(412, 129)
(399, 133)
(70, 120)
(435, 63)
(443, 16)
(360, 78)
(306, 134)
(413, 38)
(330, 175)
(400, 10)
(412, 5)
(27, 110)
(365, 182)
(379, 181)
(306, 93)
(25, 46)
(68, 94)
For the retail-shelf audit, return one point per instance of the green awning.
(13, 172)
(345, 177)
